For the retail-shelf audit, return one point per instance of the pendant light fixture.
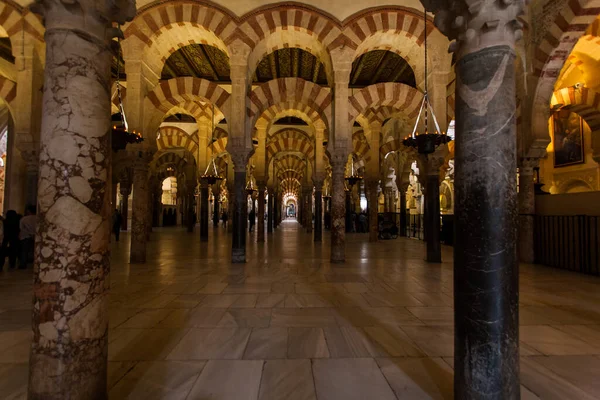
(121, 136)
(354, 175)
(427, 142)
(211, 174)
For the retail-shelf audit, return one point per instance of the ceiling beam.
(294, 61)
(382, 63)
(213, 70)
(399, 72)
(170, 70)
(359, 68)
(273, 65)
(316, 67)
(188, 63)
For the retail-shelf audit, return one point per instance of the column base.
(238, 256)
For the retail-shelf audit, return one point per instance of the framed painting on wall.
(567, 130)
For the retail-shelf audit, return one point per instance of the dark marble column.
(338, 210)
(432, 217)
(239, 217)
(216, 205)
(373, 203)
(203, 211)
(270, 212)
(31, 185)
(190, 200)
(403, 216)
(526, 210)
(486, 289)
(69, 346)
(318, 235)
(309, 216)
(139, 218)
(348, 210)
(230, 207)
(125, 190)
(260, 233)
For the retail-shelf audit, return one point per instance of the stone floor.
(288, 325)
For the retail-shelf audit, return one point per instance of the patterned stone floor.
(288, 325)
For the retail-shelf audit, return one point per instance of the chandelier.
(427, 142)
(250, 187)
(354, 175)
(121, 136)
(211, 174)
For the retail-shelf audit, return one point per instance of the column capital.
(239, 158)
(92, 18)
(476, 25)
(528, 164)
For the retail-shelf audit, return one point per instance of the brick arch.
(177, 91)
(289, 132)
(584, 102)
(197, 110)
(172, 137)
(16, 19)
(399, 30)
(162, 26)
(294, 109)
(562, 34)
(282, 90)
(219, 146)
(291, 141)
(392, 145)
(8, 92)
(290, 162)
(166, 158)
(395, 95)
(360, 146)
(290, 174)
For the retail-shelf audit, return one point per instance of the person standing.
(27, 227)
(117, 219)
(10, 240)
(251, 219)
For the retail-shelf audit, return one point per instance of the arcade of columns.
(67, 164)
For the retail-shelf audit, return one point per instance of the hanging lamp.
(250, 186)
(211, 175)
(121, 136)
(427, 142)
(354, 175)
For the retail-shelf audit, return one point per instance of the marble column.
(526, 210)
(230, 207)
(260, 233)
(31, 177)
(203, 211)
(318, 235)
(239, 217)
(216, 205)
(139, 230)
(403, 216)
(373, 203)
(191, 222)
(432, 217)
(125, 190)
(69, 346)
(113, 196)
(309, 213)
(347, 211)
(338, 210)
(486, 289)
(270, 212)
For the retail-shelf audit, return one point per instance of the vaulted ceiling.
(208, 62)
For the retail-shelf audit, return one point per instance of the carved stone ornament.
(473, 25)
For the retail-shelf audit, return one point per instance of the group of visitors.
(356, 222)
(169, 217)
(18, 238)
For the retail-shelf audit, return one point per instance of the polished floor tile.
(289, 325)
(350, 379)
